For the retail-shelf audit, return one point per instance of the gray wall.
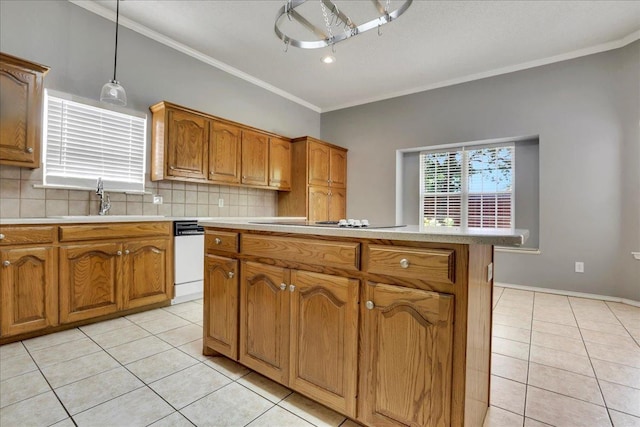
(586, 114)
(78, 46)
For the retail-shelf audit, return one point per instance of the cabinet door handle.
(218, 241)
(292, 288)
(1, 236)
(6, 263)
(370, 305)
(172, 167)
(29, 150)
(119, 253)
(404, 263)
(283, 286)
(126, 252)
(231, 274)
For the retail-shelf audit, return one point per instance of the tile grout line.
(50, 387)
(526, 387)
(592, 368)
(637, 341)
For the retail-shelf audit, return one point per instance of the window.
(468, 187)
(84, 142)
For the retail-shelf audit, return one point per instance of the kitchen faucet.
(105, 205)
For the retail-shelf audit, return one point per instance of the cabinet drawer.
(74, 233)
(436, 265)
(26, 235)
(326, 253)
(220, 241)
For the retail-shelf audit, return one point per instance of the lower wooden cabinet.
(264, 320)
(324, 339)
(406, 359)
(221, 305)
(28, 290)
(89, 280)
(102, 278)
(147, 274)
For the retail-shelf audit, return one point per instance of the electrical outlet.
(221, 203)
(579, 267)
(157, 199)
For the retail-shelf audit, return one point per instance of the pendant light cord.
(115, 59)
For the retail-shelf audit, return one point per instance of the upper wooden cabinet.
(255, 158)
(21, 99)
(280, 163)
(188, 145)
(318, 181)
(225, 153)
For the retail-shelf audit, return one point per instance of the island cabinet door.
(89, 280)
(221, 305)
(406, 357)
(324, 339)
(264, 320)
(28, 290)
(147, 277)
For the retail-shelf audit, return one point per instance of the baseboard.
(569, 293)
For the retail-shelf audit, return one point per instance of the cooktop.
(327, 224)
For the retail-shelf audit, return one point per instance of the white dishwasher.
(188, 250)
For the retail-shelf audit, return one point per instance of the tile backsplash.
(20, 199)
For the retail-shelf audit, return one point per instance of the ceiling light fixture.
(328, 59)
(112, 92)
(333, 18)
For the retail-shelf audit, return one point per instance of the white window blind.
(468, 187)
(84, 142)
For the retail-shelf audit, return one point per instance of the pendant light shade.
(112, 91)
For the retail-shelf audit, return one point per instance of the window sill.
(71, 187)
(526, 251)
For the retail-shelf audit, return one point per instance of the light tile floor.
(557, 361)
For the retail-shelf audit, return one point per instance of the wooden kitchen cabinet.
(264, 320)
(255, 158)
(221, 297)
(324, 339)
(280, 164)
(188, 145)
(225, 153)
(318, 182)
(406, 359)
(147, 278)
(180, 143)
(89, 280)
(28, 288)
(21, 105)
(105, 268)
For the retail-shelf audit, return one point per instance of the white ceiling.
(434, 44)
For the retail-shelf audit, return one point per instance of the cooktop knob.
(365, 222)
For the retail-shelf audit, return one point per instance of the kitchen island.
(389, 326)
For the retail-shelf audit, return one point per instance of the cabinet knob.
(292, 288)
(218, 241)
(1, 236)
(244, 177)
(404, 263)
(172, 167)
(370, 305)
(119, 253)
(231, 274)
(6, 263)
(283, 286)
(29, 150)
(126, 252)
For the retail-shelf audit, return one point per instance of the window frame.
(465, 191)
(87, 183)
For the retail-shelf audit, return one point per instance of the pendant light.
(112, 92)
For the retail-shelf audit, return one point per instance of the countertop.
(410, 233)
(88, 219)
